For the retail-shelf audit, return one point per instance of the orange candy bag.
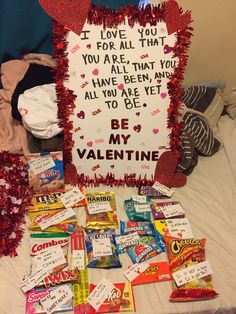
(183, 253)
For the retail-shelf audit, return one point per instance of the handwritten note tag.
(163, 189)
(101, 247)
(72, 197)
(49, 259)
(41, 164)
(56, 298)
(32, 281)
(77, 259)
(193, 272)
(172, 210)
(128, 240)
(57, 218)
(179, 228)
(101, 207)
(139, 198)
(142, 208)
(100, 293)
(135, 270)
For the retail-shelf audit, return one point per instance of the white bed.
(209, 200)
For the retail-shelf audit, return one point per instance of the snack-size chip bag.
(183, 253)
(101, 211)
(101, 249)
(133, 214)
(148, 247)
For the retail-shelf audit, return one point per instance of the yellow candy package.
(50, 201)
(67, 225)
(101, 211)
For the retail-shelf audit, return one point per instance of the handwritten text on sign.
(120, 78)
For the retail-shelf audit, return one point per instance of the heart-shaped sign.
(165, 171)
(175, 19)
(70, 13)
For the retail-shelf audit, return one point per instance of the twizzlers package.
(183, 253)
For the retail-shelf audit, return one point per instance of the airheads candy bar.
(156, 272)
(142, 227)
(34, 296)
(148, 247)
(64, 276)
(50, 201)
(121, 299)
(41, 241)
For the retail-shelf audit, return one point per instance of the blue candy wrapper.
(104, 255)
(142, 227)
(148, 247)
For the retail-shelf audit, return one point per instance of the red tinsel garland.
(108, 18)
(15, 196)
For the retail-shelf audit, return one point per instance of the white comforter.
(209, 200)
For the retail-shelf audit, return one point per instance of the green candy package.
(131, 208)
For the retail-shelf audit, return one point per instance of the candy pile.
(58, 277)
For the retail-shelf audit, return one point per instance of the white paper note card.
(72, 197)
(179, 228)
(41, 164)
(135, 270)
(163, 189)
(191, 273)
(100, 293)
(101, 247)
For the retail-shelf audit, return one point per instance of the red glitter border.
(174, 17)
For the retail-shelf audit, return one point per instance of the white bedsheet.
(209, 199)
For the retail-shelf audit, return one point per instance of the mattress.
(209, 200)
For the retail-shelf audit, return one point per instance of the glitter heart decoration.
(70, 13)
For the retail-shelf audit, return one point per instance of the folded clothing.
(38, 108)
(37, 74)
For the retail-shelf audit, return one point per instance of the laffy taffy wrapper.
(103, 220)
(121, 299)
(66, 225)
(183, 253)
